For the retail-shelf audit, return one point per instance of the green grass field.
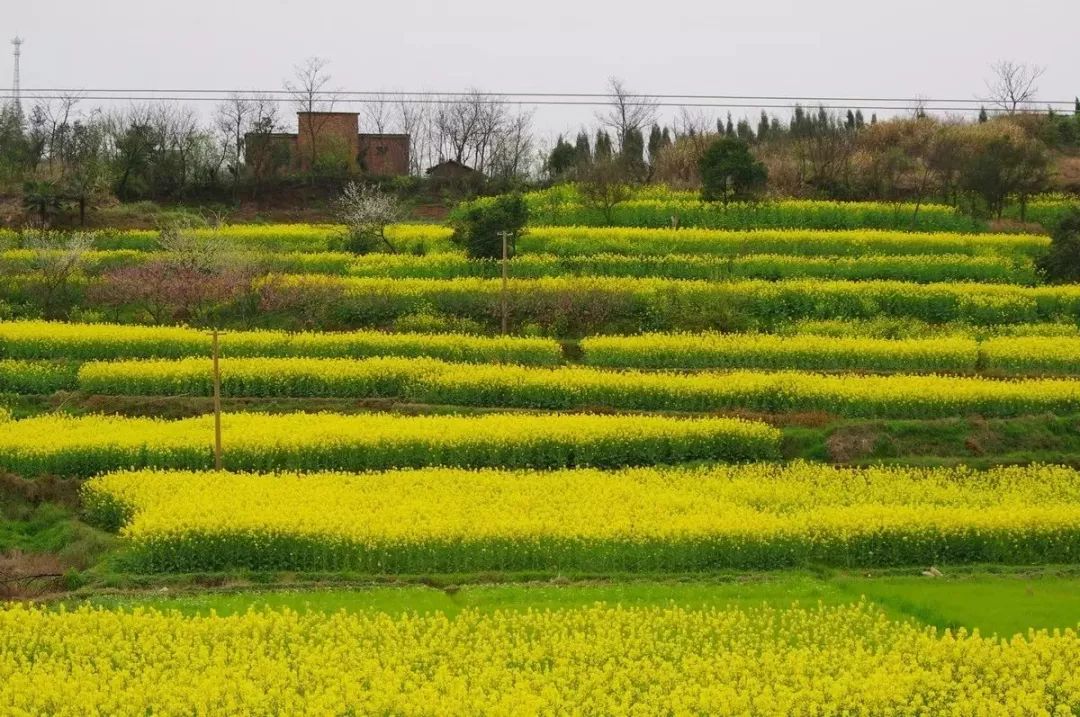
(994, 604)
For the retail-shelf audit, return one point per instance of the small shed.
(452, 169)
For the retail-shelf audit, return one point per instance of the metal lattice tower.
(16, 94)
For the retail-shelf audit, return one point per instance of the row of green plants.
(636, 241)
(1047, 210)
(660, 207)
(448, 265)
(429, 381)
(37, 377)
(83, 446)
(552, 306)
(439, 520)
(418, 238)
(577, 306)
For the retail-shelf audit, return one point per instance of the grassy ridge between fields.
(1002, 604)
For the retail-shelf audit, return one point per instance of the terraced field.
(687, 440)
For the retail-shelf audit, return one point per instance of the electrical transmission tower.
(15, 89)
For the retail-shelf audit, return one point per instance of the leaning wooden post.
(217, 405)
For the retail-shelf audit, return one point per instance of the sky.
(845, 48)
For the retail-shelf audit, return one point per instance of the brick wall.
(384, 155)
(335, 133)
(337, 136)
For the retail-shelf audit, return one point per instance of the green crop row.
(448, 265)
(253, 237)
(578, 306)
(636, 241)
(37, 377)
(659, 207)
(584, 305)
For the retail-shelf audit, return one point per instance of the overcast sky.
(939, 49)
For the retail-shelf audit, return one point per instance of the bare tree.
(413, 118)
(627, 112)
(51, 129)
(1013, 85)
(234, 119)
(919, 106)
(179, 135)
(457, 126)
(693, 124)
(311, 95)
(378, 113)
(512, 153)
(262, 155)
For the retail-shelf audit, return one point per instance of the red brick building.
(337, 140)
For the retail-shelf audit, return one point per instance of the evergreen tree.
(859, 121)
(1076, 108)
(763, 126)
(632, 153)
(873, 118)
(798, 122)
(656, 142)
(823, 119)
(744, 131)
(849, 121)
(982, 115)
(562, 159)
(730, 172)
(729, 128)
(582, 151)
(602, 150)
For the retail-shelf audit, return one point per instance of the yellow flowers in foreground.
(69, 446)
(639, 520)
(599, 660)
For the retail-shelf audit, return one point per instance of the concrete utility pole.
(505, 278)
(16, 88)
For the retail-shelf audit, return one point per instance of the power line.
(219, 94)
(539, 103)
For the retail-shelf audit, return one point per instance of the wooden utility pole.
(217, 405)
(505, 278)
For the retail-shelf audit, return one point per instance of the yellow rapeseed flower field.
(637, 520)
(58, 340)
(83, 446)
(432, 381)
(598, 660)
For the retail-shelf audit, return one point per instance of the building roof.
(450, 163)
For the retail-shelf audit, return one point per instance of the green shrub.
(478, 229)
